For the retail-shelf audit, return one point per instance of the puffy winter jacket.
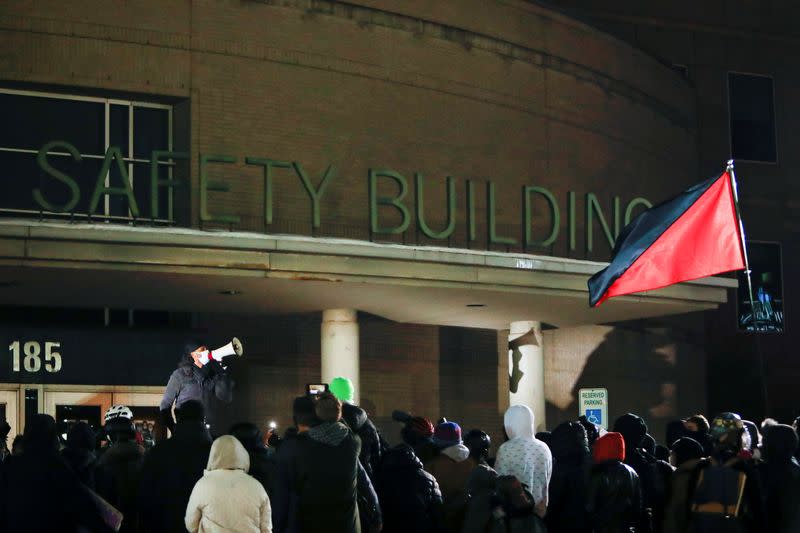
(410, 497)
(358, 421)
(226, 498)
(614, 500)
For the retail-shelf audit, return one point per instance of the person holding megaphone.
(201, 375)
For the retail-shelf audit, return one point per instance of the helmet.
(118, 411)
(727, 430)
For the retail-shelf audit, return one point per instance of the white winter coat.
(226, 499)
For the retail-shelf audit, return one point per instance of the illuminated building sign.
(117, 184)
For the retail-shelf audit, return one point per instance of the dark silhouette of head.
(248, 434)
(190, 411)
(478, 443)
(303, 412)
(81, 437)
(41, 436)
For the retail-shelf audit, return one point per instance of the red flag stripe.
(704, 241)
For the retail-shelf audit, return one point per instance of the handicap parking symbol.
(595, 416)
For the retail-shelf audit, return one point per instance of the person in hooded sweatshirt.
(572, 461)
(79, 452)
(780, 479)
(452, 471)
(262, 459)
(653, 474)
(226, 498)
(41, 494)
(614, 500)
(524, 457)
(324, 472)
(358, 421)
(171, 470)
(685, 456)
(120, 466)
(410, 497)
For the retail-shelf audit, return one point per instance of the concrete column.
(526, 368)
(339, 348)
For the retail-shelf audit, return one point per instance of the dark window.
(31, 121)
(752, 118)
(92, 126)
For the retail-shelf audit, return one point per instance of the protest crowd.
(333, 472)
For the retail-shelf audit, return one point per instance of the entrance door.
(9, 410)
(71, 407)
(145, 412)
(70, 404)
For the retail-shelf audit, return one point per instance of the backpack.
(716, 503)
(513, 508)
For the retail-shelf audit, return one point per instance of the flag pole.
(732, 175)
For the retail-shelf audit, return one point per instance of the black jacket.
(410, 497)
(209, 385)
(780, 480)
(41, 494)
(117, 477)
(169, 473)
(262, 467)
(371, 449)
(284, 498)
(323, 475)
(614, 499)
(572, 462)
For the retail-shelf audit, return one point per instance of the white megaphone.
(232, 348)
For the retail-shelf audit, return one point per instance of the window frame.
(730, 116)
(130, 161)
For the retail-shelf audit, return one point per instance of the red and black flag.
(694, 235)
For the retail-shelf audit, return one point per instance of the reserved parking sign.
(593, 404)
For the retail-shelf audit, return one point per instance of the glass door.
(69, 408)
(145, 413)
(9, 411)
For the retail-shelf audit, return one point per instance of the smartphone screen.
(313, 389)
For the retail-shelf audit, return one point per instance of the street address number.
(30, 354)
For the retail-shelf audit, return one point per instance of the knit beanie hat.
(342, 388)
(447, 434)
(686, 449)
(421, 426)
(609, 447)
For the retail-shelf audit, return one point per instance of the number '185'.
(30, 355)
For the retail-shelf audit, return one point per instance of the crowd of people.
(333, 472)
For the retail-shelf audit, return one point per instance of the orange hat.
(609, 447)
